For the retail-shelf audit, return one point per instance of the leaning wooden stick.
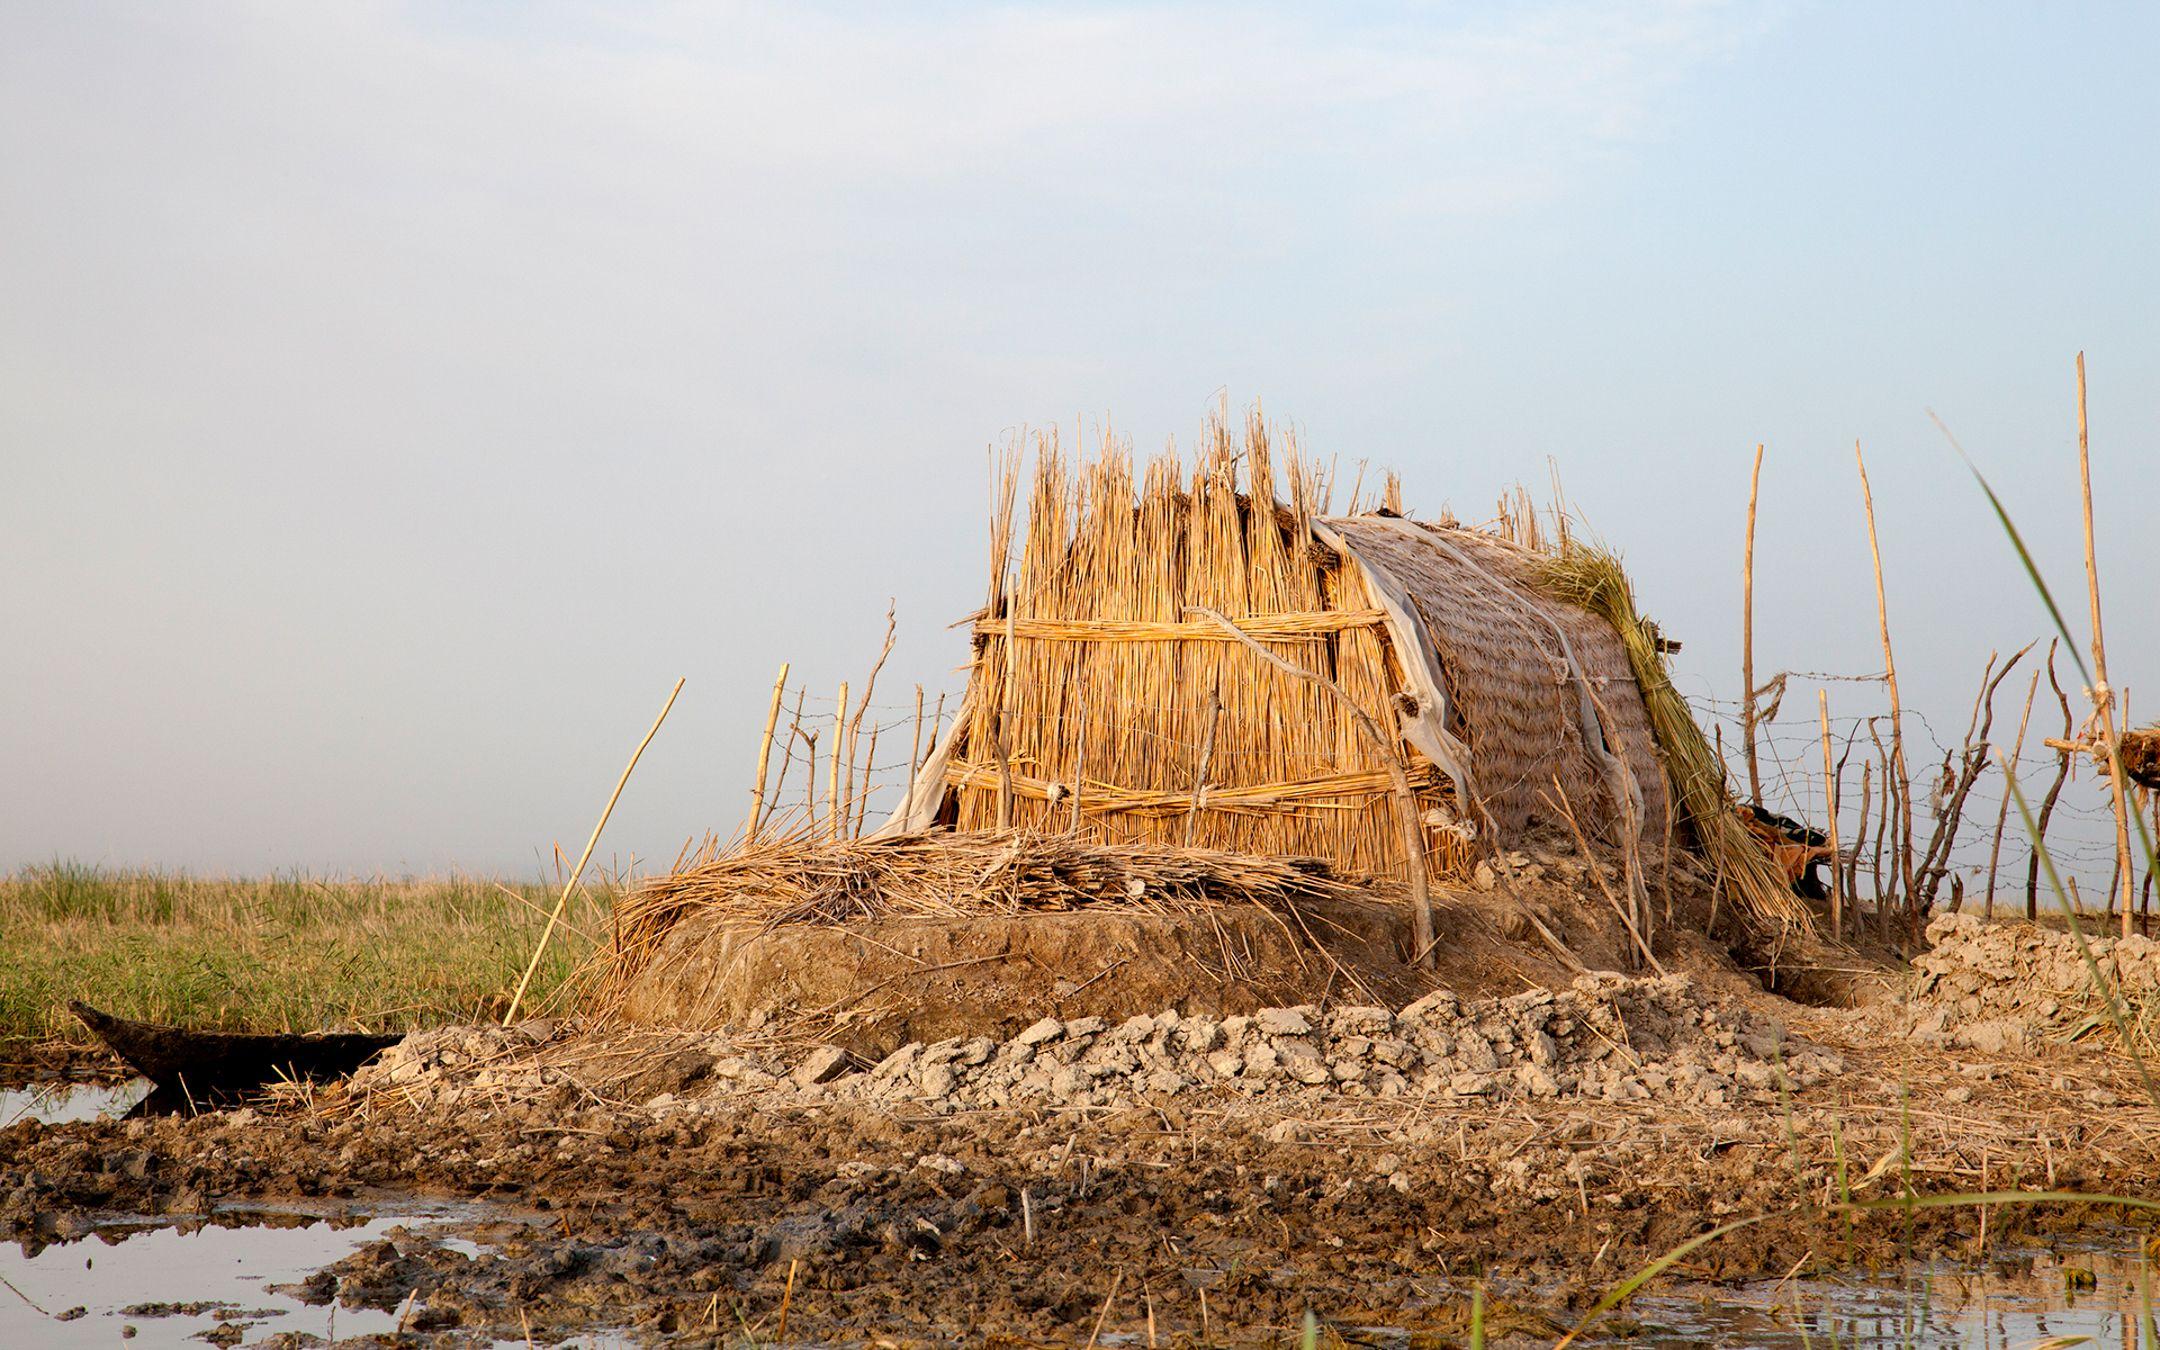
(1413, 830)
(764, 755)
(525, 980)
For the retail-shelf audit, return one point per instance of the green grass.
(280, 953)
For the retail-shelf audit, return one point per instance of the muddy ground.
(671, 1186)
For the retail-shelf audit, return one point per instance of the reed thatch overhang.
(1136, 674)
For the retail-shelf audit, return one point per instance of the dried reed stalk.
(862, 798)
(562, 901)
(914, 763)
(1315, 626)
(1200, 771)
(1860, 835)
(1107, 799)
(1566, 810)
(1960, 773)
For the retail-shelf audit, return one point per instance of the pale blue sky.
(395, 400)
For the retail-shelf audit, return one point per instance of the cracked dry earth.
(1213, 1180)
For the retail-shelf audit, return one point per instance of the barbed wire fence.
(883, 744)
(1988, 836)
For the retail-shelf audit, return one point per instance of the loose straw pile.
(947, 875)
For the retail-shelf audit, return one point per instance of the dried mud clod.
(2007, 987)
(1604, 1038)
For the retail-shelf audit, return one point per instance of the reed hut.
(1213, 735)
(1212, 659)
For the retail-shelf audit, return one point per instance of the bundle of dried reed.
(1584, 575)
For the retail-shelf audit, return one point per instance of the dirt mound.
(2003, 986)
(873, 985)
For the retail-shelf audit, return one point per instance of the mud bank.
(679, 1183)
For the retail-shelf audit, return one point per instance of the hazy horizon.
(395, 401)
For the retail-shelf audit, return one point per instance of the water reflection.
(2068, 1296)
(58, 1103)
(170, 1286)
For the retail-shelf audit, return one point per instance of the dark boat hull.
(214, 1067)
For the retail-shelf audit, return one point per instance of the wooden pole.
(1004, 768)
(2002, 816)
(563, 901)
(787, 760)
(1860, 834)
(764, 756)
(1747, 634)
(2102, 696)
(1830, 800)
(836, 822)
(1903, 835)
(869, 783)
(851, 796)
(937, 727)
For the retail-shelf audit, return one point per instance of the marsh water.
(60, 1102)
(2048, 1297)
(159, 1285)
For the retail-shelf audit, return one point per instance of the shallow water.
(228, 1263)
(58, 1103)
(2020, 1300)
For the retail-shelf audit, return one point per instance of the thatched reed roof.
(1517, 668)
